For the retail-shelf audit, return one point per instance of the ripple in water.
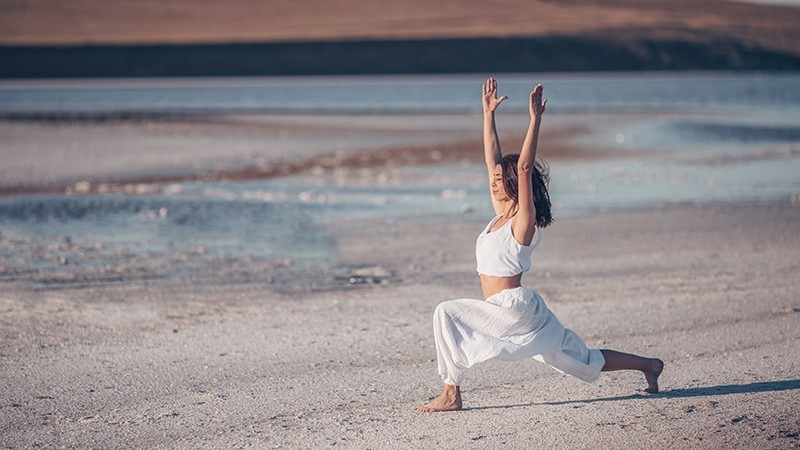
(163, 224)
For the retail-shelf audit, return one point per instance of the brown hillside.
(44, 22)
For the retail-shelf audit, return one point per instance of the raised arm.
(524, 224)
(491, 142)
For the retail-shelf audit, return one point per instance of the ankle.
(451, 391)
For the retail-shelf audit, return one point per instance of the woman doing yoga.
(513, 322)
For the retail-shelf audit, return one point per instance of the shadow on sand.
(767, 386)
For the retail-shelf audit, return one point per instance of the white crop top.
(500, 255)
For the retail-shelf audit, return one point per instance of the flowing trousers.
(513, 324)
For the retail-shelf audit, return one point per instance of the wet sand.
(115, 155)
(213, 362)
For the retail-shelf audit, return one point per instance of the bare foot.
(651, 375)
(449, 400)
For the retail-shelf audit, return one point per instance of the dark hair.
(540, 178)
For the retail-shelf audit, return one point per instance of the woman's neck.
(510, 211)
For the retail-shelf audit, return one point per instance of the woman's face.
(498, 188)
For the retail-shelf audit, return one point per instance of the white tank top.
(500, 255)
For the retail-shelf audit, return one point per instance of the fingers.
(489, 90)
(536, 94)
(490, 86)
(537, 105)
(538, 90)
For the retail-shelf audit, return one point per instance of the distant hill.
(56, 38)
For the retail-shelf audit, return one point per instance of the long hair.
(540, 178)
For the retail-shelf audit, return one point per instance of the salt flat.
(712, 290)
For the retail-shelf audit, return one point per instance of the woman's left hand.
(536, 104)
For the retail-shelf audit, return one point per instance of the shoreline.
(181, 199)
(218, 363)
(58, 262)
(379, 146)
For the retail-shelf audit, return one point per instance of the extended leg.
(650, 367)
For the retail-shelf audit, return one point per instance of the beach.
(208, 363)
(185, 279)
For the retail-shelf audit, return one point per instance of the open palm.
(537, 105)
(490, 100)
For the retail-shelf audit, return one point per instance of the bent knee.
(440, 310)
(445, 309)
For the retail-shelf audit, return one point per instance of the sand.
(215, 363)
(47, 153)
(193, 350)
(53, 155)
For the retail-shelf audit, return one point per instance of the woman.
(514, 322)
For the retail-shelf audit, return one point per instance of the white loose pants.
(511, 325)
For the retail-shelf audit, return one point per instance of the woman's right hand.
(490, 100)
(536, 105)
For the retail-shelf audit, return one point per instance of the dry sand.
(211, 363)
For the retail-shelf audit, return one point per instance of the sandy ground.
(211, 363)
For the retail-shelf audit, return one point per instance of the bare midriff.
(492, 285)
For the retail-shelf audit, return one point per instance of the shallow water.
(689, 138)
(585, 92)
